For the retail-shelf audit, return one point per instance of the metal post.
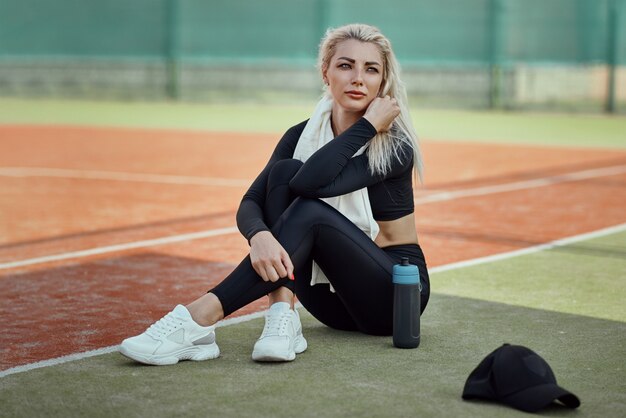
(611, 54)
(172, 53)
(496, 36)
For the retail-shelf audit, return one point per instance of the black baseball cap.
(519, 377)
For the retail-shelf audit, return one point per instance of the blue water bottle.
(406, 305)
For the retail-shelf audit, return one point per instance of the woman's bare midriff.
(397, 232)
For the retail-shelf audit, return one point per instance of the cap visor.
(537, 397)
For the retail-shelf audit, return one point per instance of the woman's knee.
(283, 170)
(307, 212)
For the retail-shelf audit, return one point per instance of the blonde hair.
(385, 145)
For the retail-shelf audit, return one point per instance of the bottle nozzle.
(405, 261)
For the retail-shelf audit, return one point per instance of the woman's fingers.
(381, 112)
(280, 269)
(269, 259)
(288, 264)
(271, 271)
(260, 270)
(271, 274)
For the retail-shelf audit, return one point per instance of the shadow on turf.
(351, 374)
(457, 333)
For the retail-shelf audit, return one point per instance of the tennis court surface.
(103, 229)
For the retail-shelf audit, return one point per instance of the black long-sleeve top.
(331, 171)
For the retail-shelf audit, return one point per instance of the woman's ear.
(324, 71)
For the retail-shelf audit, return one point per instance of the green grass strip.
(449, 125)
(560, 303)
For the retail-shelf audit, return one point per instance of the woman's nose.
(358, 78)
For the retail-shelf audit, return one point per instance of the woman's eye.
(344, 65)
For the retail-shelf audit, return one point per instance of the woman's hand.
(269, 258)
(381, 113)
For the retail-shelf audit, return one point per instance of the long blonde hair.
(385, 145)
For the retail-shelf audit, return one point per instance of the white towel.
(355, 205)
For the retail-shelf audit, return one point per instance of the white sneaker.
(174, 337)
(282, 335)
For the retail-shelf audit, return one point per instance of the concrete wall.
(522, 87)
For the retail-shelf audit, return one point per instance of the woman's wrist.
(256, 235)
(381, 113)
(370, 123)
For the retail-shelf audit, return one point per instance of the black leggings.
(359, 270)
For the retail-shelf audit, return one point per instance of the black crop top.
(331, 171)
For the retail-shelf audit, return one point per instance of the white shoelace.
(276, 324)
(164, 326)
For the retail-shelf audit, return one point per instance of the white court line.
(534, 249)
(520, 185)
(121, 247)
(121, 176)
(114, 348)
(216, 181)
(438, 197)
(245, 318)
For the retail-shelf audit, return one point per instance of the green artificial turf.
(449, 125)
(585, 278)
(472, 311)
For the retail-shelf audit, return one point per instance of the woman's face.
(355, 67)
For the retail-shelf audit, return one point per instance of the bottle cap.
(405, 273)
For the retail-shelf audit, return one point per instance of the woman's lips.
(355, 95)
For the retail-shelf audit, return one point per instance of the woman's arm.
(356, 175)
(269, 259)
(250, 212)
(331, 170)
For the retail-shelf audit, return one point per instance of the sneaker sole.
(300, 346)
(195, 353)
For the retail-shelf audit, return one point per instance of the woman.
(357, 152)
